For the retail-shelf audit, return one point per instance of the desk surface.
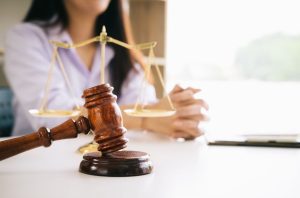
(181, 169)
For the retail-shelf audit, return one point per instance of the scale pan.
(149, 112)
(50, 113)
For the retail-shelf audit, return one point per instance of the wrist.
(145, 123)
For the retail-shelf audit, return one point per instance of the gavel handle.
(43, 137)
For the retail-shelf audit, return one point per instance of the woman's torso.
(27, 63)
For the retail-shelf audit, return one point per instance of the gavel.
(105, 120)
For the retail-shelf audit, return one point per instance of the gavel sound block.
(106, 122)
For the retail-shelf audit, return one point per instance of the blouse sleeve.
(131, 88)
(27, 62)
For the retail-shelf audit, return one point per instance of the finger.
(177, 88)
(182, 96)
(199, 102)
(181, 124)
(188, 126)
(189, 110)
(181, 134)
(199, 133)
(194, 90)
(199, 118)
(185, 135)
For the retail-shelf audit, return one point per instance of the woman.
(27, 62)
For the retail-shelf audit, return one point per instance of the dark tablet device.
(263, 140)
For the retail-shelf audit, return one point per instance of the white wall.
(11, 12)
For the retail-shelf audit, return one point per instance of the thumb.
(194, 90)
(177, 88)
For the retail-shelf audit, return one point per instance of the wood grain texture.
(105, 117)
(43, 137)
(116, 164)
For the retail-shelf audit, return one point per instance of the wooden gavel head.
(105, 118)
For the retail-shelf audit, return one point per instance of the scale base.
(117, 164)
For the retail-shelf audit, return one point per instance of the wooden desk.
(181, 169)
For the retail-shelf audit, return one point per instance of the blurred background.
(244, 55)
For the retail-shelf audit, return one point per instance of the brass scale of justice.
(102, 157)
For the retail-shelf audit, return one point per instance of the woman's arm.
(27, 61)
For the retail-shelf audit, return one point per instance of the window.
(245, 55)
